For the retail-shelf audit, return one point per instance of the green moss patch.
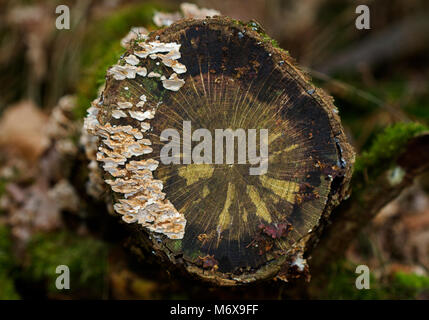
(400, 285)
(7, 285)
(85, 257)
(387, 146)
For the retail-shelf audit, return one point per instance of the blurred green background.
(378, 77)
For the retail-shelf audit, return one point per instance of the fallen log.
(164, 135)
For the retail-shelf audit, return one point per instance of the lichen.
(396, 175)
(255, 26)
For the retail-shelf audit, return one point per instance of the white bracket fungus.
(136, 33)
(189, 10)
(173, 83)
(122, 148)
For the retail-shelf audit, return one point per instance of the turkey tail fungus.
(248, 217)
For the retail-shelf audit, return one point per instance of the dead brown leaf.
(23, 131)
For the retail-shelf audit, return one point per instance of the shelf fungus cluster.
(122, 133)
(176, 88)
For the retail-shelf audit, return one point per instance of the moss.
(386, 147)
(408, 285)
(7, 266)
(86, 258)
(102, 49)
(401, 285)
(255, 26)
(5, 248)
(150, 84)
(194, 255)
(175, 246)
(7, 288)
(2, 190)
(126, 94)
(258, 28)
(341, 284)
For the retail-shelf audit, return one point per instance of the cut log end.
(237, 220)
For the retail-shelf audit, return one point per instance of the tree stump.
(213, 213)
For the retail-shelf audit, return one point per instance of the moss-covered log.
(216, 216)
